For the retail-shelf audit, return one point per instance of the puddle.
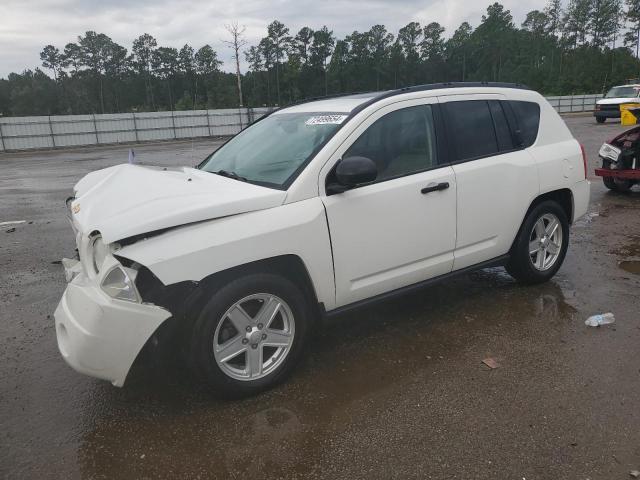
(587, 219)
(631, 266)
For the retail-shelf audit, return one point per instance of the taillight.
(584, 160)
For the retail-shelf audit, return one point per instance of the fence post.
(95, 129)
(240, 115)
(53, 138)
(173, 122)
(135, 126)
(208, 122)
(4, 148)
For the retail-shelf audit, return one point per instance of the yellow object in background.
(626, 117)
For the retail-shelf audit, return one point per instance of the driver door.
(398, 230)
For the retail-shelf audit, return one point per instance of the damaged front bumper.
(98, 335)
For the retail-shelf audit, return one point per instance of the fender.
(193, 252)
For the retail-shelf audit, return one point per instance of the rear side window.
(528, 120)
(470, 128)
(503, 134)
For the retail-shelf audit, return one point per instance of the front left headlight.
(120, 284)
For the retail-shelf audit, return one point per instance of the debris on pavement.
(12, 222)
(490, 362)
(11, 230)
(601, 319)
(634, 473)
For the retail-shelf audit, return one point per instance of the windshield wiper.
(233, 175)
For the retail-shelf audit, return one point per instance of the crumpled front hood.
(128, 200)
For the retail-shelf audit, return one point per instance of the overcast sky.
(27, 25)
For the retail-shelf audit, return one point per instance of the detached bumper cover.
(100, 336)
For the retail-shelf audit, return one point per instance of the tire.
(622, 184)
(601, 119)
(524, 265)
(619, 185)
(245, 374)
(610, 183)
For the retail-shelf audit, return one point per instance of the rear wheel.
(601, 119)
(250, 334)
(541, 245)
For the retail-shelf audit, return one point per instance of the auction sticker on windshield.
(326, 120)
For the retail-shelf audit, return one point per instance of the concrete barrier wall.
(26, 133)
(574, 103)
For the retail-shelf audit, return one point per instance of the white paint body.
(354, 246)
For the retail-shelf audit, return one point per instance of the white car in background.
(314, 210)
(609, 106)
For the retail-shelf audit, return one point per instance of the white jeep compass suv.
(315, 209)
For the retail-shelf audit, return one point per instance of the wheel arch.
(289, 266)
(187, 298)
(562, 196)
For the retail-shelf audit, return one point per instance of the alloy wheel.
(254, 336)
(545, 242)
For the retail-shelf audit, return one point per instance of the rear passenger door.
(496, 177)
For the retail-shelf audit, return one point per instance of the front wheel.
(541, 245)
(620, 185)
(250, 334)
(601, 119)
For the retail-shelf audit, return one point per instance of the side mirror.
(354, 171)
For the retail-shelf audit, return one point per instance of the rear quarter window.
(528, 120)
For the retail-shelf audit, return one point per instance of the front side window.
(400, 143)
(272, 151)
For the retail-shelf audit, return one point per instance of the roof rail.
(400, 91)
(435, 86)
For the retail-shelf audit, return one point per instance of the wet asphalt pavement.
(396, 391)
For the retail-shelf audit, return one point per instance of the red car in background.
(621, 160)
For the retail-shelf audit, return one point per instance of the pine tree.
(632, 16)
(603, 21)
(554, 13)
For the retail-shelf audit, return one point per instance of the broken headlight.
(609, 152)
(119, 283)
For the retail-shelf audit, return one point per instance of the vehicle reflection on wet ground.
(397, 390)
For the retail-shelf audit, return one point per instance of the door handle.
(434, 187)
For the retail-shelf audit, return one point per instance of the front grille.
(608, 108)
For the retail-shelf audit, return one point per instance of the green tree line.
(579, 46)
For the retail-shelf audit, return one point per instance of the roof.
(336, 104)
(351, 103)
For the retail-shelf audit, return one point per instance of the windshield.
(271, 151)
(622, 92)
